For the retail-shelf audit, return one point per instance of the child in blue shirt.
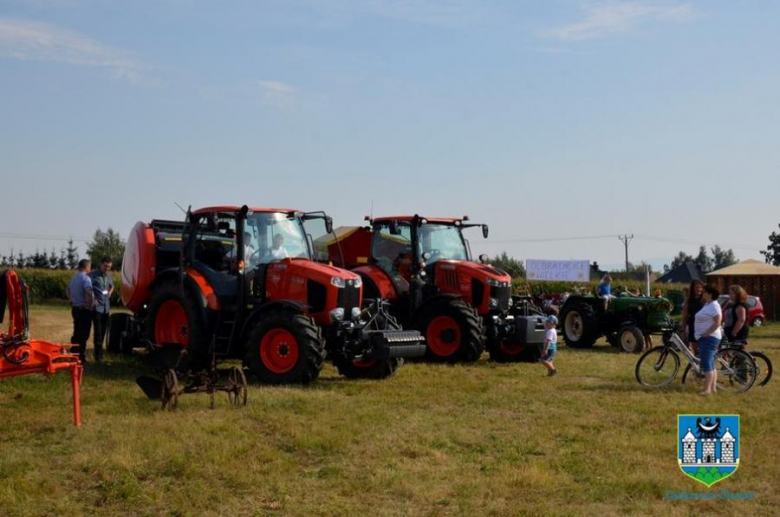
(550, 345)
(604, 290)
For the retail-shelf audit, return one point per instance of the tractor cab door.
(213, 253)
(392, 252)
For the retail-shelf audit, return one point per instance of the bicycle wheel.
(657, 367)
(736, 370)
(763, 368)
(692, 378)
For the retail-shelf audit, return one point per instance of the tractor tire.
(630, 339)
(453, 331)
(580, 325)
(285, 347)
(368, 369)
(504, 352)
(117, 325)
(175, 318)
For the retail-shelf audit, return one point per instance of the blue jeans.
(707, 348)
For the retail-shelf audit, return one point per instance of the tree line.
(106, 243)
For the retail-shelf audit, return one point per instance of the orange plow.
(21, 355)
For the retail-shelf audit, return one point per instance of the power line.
(25, 236)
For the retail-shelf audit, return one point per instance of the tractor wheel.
(630, 339)
(117, 325)
(285, 347)
(175, 318)
(504, 352)
(453, 332)
(580, 325)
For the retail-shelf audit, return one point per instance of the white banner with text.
(562, 270)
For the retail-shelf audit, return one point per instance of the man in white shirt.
(279, 252)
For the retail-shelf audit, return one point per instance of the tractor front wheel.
(285, 347)
(453, 332)
(630, 339)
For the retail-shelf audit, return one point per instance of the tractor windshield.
(443, 242)
(273, 236)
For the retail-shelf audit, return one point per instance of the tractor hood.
(481, 272)
(310, 269)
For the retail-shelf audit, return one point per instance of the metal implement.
(21, 355)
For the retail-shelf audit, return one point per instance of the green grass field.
(434, 440)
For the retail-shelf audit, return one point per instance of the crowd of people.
(707, 324)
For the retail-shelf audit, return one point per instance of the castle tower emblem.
(708, 446)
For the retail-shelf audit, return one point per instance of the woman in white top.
(708, 336)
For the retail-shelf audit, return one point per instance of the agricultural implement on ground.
(626, 320)
(22, 355)
(242, 283)
(423, 266)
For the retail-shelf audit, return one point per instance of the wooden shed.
(757, 278)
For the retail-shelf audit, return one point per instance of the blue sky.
(546, 120)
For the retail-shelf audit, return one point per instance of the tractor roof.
(234, 208)
(408, 218)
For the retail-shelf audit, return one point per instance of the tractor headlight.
(492, 283)
(338, 282)
(355, 313)
(494, 303)
(358, 282)
(337, 314)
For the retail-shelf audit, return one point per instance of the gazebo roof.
(746, 268)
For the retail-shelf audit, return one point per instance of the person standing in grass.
(693, 304)
(550, 344)
(736, 327)
(708, 336)
(102, 289)
(81, 301)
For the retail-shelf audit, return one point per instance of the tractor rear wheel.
(453, 331)
(630, 339)
(175, 318)
(580, 325)
(285, 347)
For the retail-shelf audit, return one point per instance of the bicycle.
(764, 368)
(659, 366)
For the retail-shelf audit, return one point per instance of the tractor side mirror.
(484, 258)
(328, 224)
(485, 231)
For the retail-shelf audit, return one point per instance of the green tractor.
(625, 322)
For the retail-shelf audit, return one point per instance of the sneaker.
(552, 373)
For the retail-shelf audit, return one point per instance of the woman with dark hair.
(708, 335)
(736, 327)
(692, 305)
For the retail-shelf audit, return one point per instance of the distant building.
(682, 274)
(757, 278)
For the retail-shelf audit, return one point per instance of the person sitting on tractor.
(604, 290)
(279, 252)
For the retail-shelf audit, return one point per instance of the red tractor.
(423, 267)
(238, 282)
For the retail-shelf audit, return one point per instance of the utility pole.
(626, 239)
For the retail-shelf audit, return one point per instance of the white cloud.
(34, 41)
(276, 93)
(615, 17)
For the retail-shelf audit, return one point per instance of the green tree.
(678, 261)
(703, 260)
(772, 253)
(509, 264)
(722, 258)
(106, 244)
(71, 255)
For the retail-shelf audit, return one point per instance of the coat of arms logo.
(708, 446)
